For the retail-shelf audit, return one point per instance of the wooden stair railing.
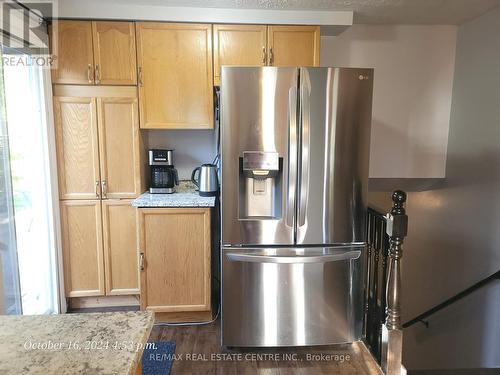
(392, 332)
(383, 331)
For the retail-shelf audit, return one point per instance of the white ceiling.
(366, 11)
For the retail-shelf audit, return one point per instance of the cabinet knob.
(141, 261)
(271, 56)
(90, 73)
(264, 55)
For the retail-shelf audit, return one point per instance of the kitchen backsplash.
(191, 147)
(185, 186)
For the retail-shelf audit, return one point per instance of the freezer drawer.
(292, 296)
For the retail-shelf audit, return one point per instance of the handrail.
(451, 300)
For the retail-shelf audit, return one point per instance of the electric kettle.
(206, 180)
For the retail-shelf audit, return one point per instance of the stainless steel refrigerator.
(294, 152)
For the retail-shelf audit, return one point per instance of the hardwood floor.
(198, 351)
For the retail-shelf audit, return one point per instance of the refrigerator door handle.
(305, 141)
(292, 157)
(242, 257)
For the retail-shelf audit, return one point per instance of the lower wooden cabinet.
(99, 243)
(120, 247)
(81, 229)
(175, 268)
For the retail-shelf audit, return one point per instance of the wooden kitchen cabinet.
(239, 45)
(99, 242)
(293, 45)
(261, 45)
(81, 233)
(95, 53)
(175, 75)
(119, 147)
(174, 244)
(77, 147)
(75, 60)
(120, 247)
(100, 158)
(114, 53)
(100, 153)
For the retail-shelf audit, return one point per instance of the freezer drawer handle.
(241, 257)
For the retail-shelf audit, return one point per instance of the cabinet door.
(176, 270)
(175, 75)
(114, 53)
(75, 61)
(293, 45)
(120, 247)
(239, 45)
(119, 146)
(81, 230)
(77, 147)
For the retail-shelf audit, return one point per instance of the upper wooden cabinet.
(75, 60)
(120, 146)
(293, 45)
(77, 147)
(99, 149)
(175, 75)
(260, 45)
(91, 53)
(239, 45)
(114, 53)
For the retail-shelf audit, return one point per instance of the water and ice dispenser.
(260, 185)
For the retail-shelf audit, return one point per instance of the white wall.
(412, 93)
(454, 236)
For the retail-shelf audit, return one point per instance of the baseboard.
(105, 301)
(183, 317)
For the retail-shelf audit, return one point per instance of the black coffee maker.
(164, 176)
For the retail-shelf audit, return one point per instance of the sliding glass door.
(10, 296)
(28, 194)
(28, 186)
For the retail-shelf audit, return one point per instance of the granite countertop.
(185, 196)
(91, 343)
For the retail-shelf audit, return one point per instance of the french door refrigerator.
(294, 171)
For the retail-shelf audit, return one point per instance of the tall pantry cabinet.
(100, 169)
(100, 156)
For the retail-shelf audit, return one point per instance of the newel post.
(392, 333)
